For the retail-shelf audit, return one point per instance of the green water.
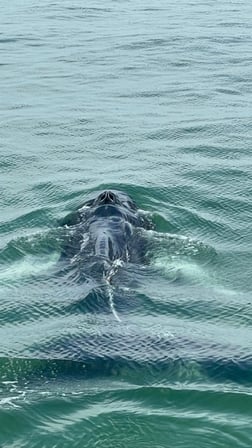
(153, 99)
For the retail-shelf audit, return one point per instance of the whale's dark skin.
(107, 228)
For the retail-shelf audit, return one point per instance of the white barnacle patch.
(118, 263)
(74, 259)
(83, 208)
(108, 278)
(85, 240)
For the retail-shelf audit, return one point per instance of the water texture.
(153, 99)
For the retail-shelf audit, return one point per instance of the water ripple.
(156, 101)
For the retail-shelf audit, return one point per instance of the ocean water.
(152, 98)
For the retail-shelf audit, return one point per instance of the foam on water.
(27, 267)
(179, 269)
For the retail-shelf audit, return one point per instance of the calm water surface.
(153, 98)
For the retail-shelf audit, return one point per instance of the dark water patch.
(147, 94)
(8, 163)
(214, 151)
(8, 40)
(173, 371)
(20, 106)
(162, 224)
(181, 64)
(146, 44)
(180, 132)
(21, 38)
(228, 91)
(88, 9)
(23, 369)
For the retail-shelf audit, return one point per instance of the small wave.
(26, 268)
(177, 256)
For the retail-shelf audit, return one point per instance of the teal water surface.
(153, 98)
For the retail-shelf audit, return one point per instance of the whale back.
(105, 227)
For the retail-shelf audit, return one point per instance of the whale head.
(112, 202)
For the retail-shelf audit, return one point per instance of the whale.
(105, 233)
(120, 297)
(106, 228)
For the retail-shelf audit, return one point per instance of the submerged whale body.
(105, 232)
